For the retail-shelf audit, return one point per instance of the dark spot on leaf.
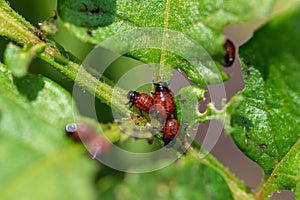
(95, 11)
(247, 72)
(182, 101)
(108, 126)
(118, 122)
(242, 122)
(89, 32)
(247, 63)
(29, 86)
(263, 146)
(87, 13)
(55, 15)
(137, 123)
(178, 96)
(150, 141)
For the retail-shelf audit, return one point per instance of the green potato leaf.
(185, 179)
(186, 102)
(18, 59)
(37, 160)
(187, 108)
(197, 22)
(267, 122)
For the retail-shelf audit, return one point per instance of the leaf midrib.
(261, 193)
(165, 28)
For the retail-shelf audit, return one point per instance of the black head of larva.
(132, 96)
(161, 86)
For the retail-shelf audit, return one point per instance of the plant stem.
(16, 28)
(238, 189)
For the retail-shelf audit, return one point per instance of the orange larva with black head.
(140, 100)
(96, 144)
(230, 53)
(163, 100)
(170, 130)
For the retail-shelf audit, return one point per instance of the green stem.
(16, 28)
(238, 189)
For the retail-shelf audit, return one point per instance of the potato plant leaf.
(187, 179)
(37, 160)
(186, 102)
(199, 21)
(267, 123)
(187, 108)
(18, 59)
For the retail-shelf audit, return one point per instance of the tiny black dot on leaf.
(95, 11)
(89, 32)
(247, 72)
(182, 101)
(150, 141)
(247, 63)
(263, 146)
